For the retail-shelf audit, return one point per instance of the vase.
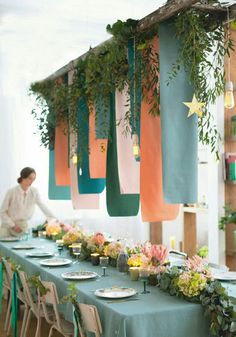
(134, 273)
(152, 280)
(112, 261)
(121, 264)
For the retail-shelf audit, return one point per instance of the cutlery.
(125, 300)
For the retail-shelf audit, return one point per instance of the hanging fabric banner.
(97, 151)
(102, 118)
(128, 167)
(86, 184)
(79, 201)
(135, 90)
(62, 171)
(117, 204)
(56, 192)
(179, 133)
(153, 207)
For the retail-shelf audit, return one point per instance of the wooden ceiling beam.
(171, 8)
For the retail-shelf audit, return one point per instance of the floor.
(32, 327)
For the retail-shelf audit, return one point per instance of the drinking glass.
(76, 250)
(104, 260)
(143, 275)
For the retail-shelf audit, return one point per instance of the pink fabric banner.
(128, 167)
(97, 151)
(79, 201)
(62, 171)
(153, 207)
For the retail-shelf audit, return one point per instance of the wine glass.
(143, 275)
(60, 246)
(104, 260)
(76, 250)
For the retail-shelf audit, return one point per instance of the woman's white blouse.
(18, 206)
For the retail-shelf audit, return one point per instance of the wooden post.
(190, 234)
(156, 232)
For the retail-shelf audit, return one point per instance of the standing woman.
(19, 203)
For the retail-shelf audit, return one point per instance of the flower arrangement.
(138, 260)
(95, 243)
(72, 236)
(53, 228)
(113, 249)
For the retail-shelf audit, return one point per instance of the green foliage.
(36, 283)
(218, 306)
(229, 217)
(202, 36)
(73, 298)
(203, 252)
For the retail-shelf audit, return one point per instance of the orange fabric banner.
(153, 207)
(62, 170)
(97, 151)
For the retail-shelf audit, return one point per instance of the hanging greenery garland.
(106, 68)
(203, 47)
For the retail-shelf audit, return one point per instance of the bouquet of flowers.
(138, 260)
(113, 249)
(53, 227)
(72, 236)
(96, 242)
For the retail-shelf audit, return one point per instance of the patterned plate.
(39, 254)
(23, 246)
(115, 292)
(55, 262)
(79, 275)
(10, 239)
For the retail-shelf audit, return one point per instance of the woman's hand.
(17, 229)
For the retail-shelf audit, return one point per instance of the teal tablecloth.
(153, 315)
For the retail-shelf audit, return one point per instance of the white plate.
(23, 246)
(227, 276)
(79, 275)
(55, 262)
(115, 292)
(10, 239)
(39, 254)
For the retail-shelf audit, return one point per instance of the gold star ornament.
(195, 107)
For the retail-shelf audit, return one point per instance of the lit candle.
(134, 273)
(95, 259)
(172, 242)
(60, 242)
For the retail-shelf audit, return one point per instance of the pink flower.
(196, 263)
(159, 254)
(99, 238)
(66, 227)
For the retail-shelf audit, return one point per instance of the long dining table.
(156, 314)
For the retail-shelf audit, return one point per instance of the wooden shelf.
(195, 210)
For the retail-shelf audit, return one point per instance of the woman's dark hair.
(24, 173)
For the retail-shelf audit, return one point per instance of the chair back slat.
(90, 318)
(51, 297)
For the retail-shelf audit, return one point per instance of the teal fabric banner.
(76, 324)
(56, 192)
(85, 183)
(179, 133)
(1, 284)
(14, 304)
(117, 204)
(134, 61)
(102, 117)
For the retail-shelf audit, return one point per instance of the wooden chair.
(58, 323)
(20, 295)
(35, 306)
(90, 320)
(7, 286)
